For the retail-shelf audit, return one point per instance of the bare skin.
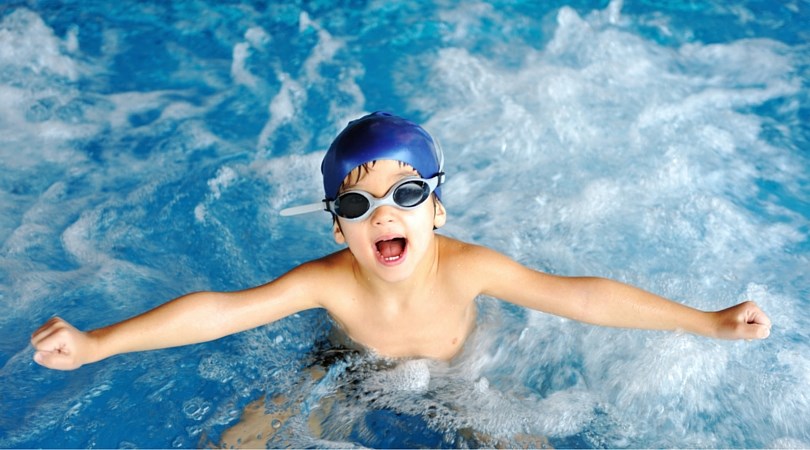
(413, 299)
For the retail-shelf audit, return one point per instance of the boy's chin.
(394, 273)
(393, 277)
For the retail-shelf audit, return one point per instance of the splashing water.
(146, 149)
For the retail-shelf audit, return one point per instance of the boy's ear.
(439, 214)
(338, 233)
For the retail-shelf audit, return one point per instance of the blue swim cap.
(379, 136)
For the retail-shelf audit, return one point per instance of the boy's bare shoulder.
(309, 278)
(333, 264)
(455, 248)
(466, 256)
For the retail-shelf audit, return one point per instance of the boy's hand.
(60, 346)
(743, 321)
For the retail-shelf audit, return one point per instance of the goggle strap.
(441, 176)
(304, 209)
(440, 154)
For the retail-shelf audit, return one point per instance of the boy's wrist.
(698, 322)
(708, 324)
(95, 346)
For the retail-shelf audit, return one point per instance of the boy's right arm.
(192, 318)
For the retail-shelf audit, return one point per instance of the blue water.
(146, 149)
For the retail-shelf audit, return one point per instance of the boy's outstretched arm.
(192, 318)
(610, 303)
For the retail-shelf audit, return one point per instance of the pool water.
(147, 147)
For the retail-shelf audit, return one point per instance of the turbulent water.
(146, 149)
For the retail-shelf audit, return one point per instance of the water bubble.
(196, 408)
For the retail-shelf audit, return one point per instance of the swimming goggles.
(356, 205)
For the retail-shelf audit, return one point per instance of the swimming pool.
(147, 148)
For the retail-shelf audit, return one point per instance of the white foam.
(598, 153)
(412, 376)
(604, 153)
(255, 38)
(77, 239)
(225, 177)
(200, 213)
(565, 124)
(324, 50)
(27, 43)
(301, 175)
(283, 107)
(465, 16)
(287, 106)
(787, 443)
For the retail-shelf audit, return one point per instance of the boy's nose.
(383, 214)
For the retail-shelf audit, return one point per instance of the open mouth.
(391, 250)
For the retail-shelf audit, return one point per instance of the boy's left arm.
(610, 303)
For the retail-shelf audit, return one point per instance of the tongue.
(394, 247)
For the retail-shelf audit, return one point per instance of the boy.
(399, 289)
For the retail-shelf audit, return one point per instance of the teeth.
(391, 258)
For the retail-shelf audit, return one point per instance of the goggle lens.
(351, 205)
(411, 194)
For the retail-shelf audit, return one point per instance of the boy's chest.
(432, 328)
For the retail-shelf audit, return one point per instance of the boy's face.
(391, 242)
